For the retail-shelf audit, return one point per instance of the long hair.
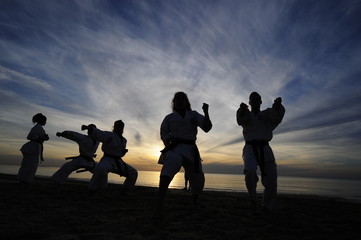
(39, 118)
(181, 94)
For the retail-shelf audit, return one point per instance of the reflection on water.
(349, 189)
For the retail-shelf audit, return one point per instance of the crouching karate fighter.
(179, 133)
(33, 149)
(257, 131)
(87, 148)
(114, 148)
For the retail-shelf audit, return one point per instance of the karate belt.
(117, 161)
(258, 150)
(175, 141)
(90, 159)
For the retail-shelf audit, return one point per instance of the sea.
(333, 188)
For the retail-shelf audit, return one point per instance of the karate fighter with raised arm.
(114, 148)
(179, 133)
(258, 129)
(33, 149)
(87, 148)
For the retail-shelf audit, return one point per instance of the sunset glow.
(81, 62)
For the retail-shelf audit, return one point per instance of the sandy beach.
(38, 211)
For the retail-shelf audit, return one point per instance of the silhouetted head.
(255, 101)
(90, 128)
(118, 127)
(180, 102)
(39, 118)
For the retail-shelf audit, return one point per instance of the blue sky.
(81, 62)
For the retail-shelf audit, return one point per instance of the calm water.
(348, 189)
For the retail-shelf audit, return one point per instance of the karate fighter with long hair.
(178, 132)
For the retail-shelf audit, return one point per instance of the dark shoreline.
(38, 211)
(12, 177)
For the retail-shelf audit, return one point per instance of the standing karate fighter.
(179, 133)
(87, 148)
(114, 148)
(33, 149)
(257, 131)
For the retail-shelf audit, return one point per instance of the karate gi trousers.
(63, 173)
(108, 164)
(183, 156)
(269, 180)
(28, 168)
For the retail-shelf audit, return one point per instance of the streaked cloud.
(84, 62)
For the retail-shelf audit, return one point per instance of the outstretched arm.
(71, 135)
(89, 127)
(95, 133)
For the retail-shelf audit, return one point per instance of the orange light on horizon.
(155, 152)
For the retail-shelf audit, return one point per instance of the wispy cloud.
(109, 60)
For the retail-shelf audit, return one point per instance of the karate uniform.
(259, 129)
(87, 149)
(113, 148)
(174, 126)
(31, 152)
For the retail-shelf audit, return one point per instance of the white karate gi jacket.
(86, 148)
